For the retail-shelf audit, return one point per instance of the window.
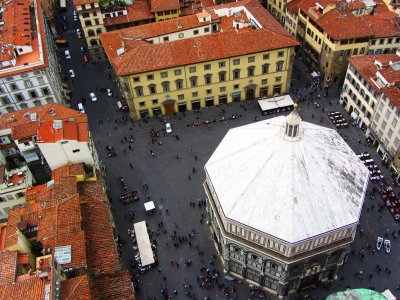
(139, 91)
(5, 100)
(222, 76)
(154, 101)
(207, 67)
(45, 91)
(394, 122)
(76, 150)
(390, 133)
(195, 32)
(279, 66)
(281, 53)
(264, 81)
(165, 86)
(264, 68)
(192, 69)
(207, 78)
(195, 94)
(136, 79)
(208, 92)
(165, 38)
(33, 94)
(236, 61)
(221, 64)
(383, 126)
(28, 83)
(142, 104)
(181, 97)
(207, 29)
(19, 97)
(265, 56)
(278, 78)
(150, 77)
(179, 84)
(13, 87)
(251, 59)
(152, 89)
(222, 89)
(236, 74)
(37, 103)
(193, 81)
(380, 107)
(236, 86)
(250, 71)
(164, 74)
(177, 72)
(387, 115)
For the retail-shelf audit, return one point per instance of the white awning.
(354, 115)
(314, 74)
(144, 245)
(275, 102)
(388, 294)
(149, 206)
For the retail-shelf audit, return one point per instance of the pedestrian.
(195, 157)
(130, 164)
(189, 177)
(194, 170)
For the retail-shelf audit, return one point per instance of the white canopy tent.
(276, 104)
(144, 245)
(149, 206)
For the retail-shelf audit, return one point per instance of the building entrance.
(250, 94)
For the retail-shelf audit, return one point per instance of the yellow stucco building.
(198, 61)
(165, 9)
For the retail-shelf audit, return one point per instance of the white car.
(67, 54)
(168, 128)
(387, 246)
(379, 243)
(109, 93)
(75, 16)
(80, 108)
(71, 73)
(93, 97)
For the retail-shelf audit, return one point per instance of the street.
(174, 185)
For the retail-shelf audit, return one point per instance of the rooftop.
(40, 120)
(208, 47)
(83, 2)
(387, 66)
(138, 11)
(20, 33)
(293, 189)
(162, 5)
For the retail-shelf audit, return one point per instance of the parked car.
(67, 54)
(85, 58)
(387, 246)
(83, 49)
(379, 242)
(109, 93)
(79, 33)
(80, 108)
(168, 128)
(93, 97)
(71, 73)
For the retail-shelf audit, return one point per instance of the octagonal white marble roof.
(290, 189)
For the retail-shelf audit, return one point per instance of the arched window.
(93, 42)
(279, 65)
(165, 86)
(37, 103)
(98, 31)
(139, 91)
(265, 68)
(91, 32)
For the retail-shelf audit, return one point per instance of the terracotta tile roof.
(294, 6)
(159, 28)
(21, 125)
(180, 52)
(367, 69)
(32, 289)
(76, 288)
(17, 32)
(138, 11)
(116, 286)
(83, 2)
(3, 233)
(8, 267)
(162, 5)
(38, 193)
(71, 130)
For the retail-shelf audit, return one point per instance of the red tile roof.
(83, 2)
(162, 5)
(22, 126)
(138, 11)
(32, 289)
(113, 286)
(76, 288)
(365, 65)
(17, 32)
(208, 47)
(8, 266)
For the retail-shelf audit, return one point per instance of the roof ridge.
(75, 287)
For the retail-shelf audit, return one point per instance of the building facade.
(29, 70)
(92, 23)
(165, 9)
(277, 228)
(370, 94)
(217, 73)
(330, 32)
